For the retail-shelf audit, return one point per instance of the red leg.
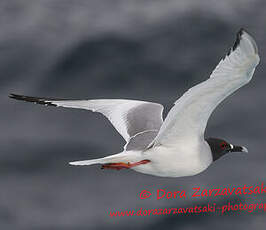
(122, 165)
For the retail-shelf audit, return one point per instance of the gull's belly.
(176, 161)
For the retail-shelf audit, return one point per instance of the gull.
(176, 146)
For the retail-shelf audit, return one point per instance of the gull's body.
(176, 146)
(175, 161)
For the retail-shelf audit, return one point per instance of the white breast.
(184, 159)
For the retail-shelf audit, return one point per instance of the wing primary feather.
(189, 116)
(129, 117)
(238, 38)
(36, 100)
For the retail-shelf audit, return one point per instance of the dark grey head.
(220, 147)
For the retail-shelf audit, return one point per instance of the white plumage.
(175, 147)
(189, 117)
(129, 117)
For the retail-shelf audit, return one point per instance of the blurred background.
(148, 50)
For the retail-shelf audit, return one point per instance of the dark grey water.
(147, 50)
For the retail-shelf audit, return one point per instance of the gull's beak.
(239, 149)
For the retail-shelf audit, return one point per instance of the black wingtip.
(238, 38)
(241, 30)
(11, 95)
(237, 41)
(15, 96)
(37, 100)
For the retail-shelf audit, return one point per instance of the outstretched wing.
(129, 117)
(188, 118)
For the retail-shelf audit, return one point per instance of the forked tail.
(109, 159)
(116, 161)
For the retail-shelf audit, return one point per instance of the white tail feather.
(130, 156)
(86, 162)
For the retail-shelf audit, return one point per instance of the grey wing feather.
(129, 117)
(187, 120)
(141, 140)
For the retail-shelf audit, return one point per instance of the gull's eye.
(223, 145)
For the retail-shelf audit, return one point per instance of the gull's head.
(220, 147)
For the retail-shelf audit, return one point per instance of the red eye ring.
(223, 145)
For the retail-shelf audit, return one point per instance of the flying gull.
(176, 146)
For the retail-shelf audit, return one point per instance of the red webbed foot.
(122, 165)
